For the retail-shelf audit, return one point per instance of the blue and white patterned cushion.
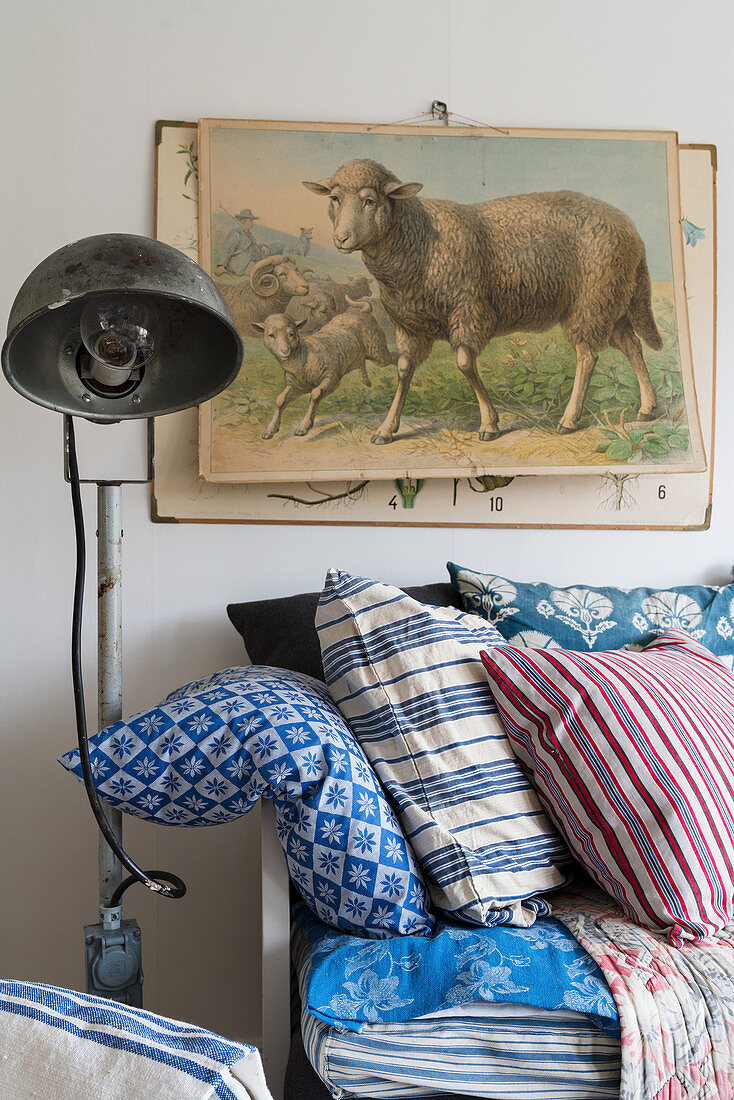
(64, 1045)
(208, 752)
(408, 679)
(585, 618)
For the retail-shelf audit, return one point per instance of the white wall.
(83, 83)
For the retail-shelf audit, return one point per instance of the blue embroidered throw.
(584, 618)
(349, 982)
(208, 752)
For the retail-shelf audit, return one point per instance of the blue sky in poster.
(263, 169)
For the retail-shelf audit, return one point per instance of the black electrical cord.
(176, 887)
(166, 876)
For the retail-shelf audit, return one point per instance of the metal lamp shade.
(198, 350)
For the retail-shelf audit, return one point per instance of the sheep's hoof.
(302, 430)
(267, 434)
(487, 435)
(563, 429)
(382, 437)
(647, 416)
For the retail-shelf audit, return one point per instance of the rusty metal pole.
(109, 655)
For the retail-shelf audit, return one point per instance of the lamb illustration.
(317, 363)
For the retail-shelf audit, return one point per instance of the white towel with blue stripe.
(56, 1044)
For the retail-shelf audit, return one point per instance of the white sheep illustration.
(468, 273)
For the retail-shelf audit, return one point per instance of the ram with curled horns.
(468, 273)
(271, 284)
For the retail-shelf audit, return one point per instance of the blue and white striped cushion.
(63, 1045)
(530, 1053)
(408, 679)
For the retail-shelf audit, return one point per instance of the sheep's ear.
(260, 328)
(300, 324)
(323, 188)
(398, 190)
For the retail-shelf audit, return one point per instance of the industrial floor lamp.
(110, 328)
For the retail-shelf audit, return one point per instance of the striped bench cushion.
(633, 757)
(532, 1054)
(408, 679)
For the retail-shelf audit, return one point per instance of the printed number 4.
(393, 503)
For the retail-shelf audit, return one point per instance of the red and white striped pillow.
(632, 755)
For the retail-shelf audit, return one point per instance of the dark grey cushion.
(301, 1080)
(281, 632)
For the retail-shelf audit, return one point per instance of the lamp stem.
(109, 656)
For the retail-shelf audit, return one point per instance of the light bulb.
(119, 333)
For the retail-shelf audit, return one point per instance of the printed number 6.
(661, 492)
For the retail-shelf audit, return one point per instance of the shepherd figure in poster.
(469, 273)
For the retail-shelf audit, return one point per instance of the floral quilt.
(675, 1004)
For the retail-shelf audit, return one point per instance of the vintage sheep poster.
(431, 303)
(599, 500)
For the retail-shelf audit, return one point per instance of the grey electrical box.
(114, 962)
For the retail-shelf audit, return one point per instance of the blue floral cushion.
(208, 752)
(348, 983)
(582, 617)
